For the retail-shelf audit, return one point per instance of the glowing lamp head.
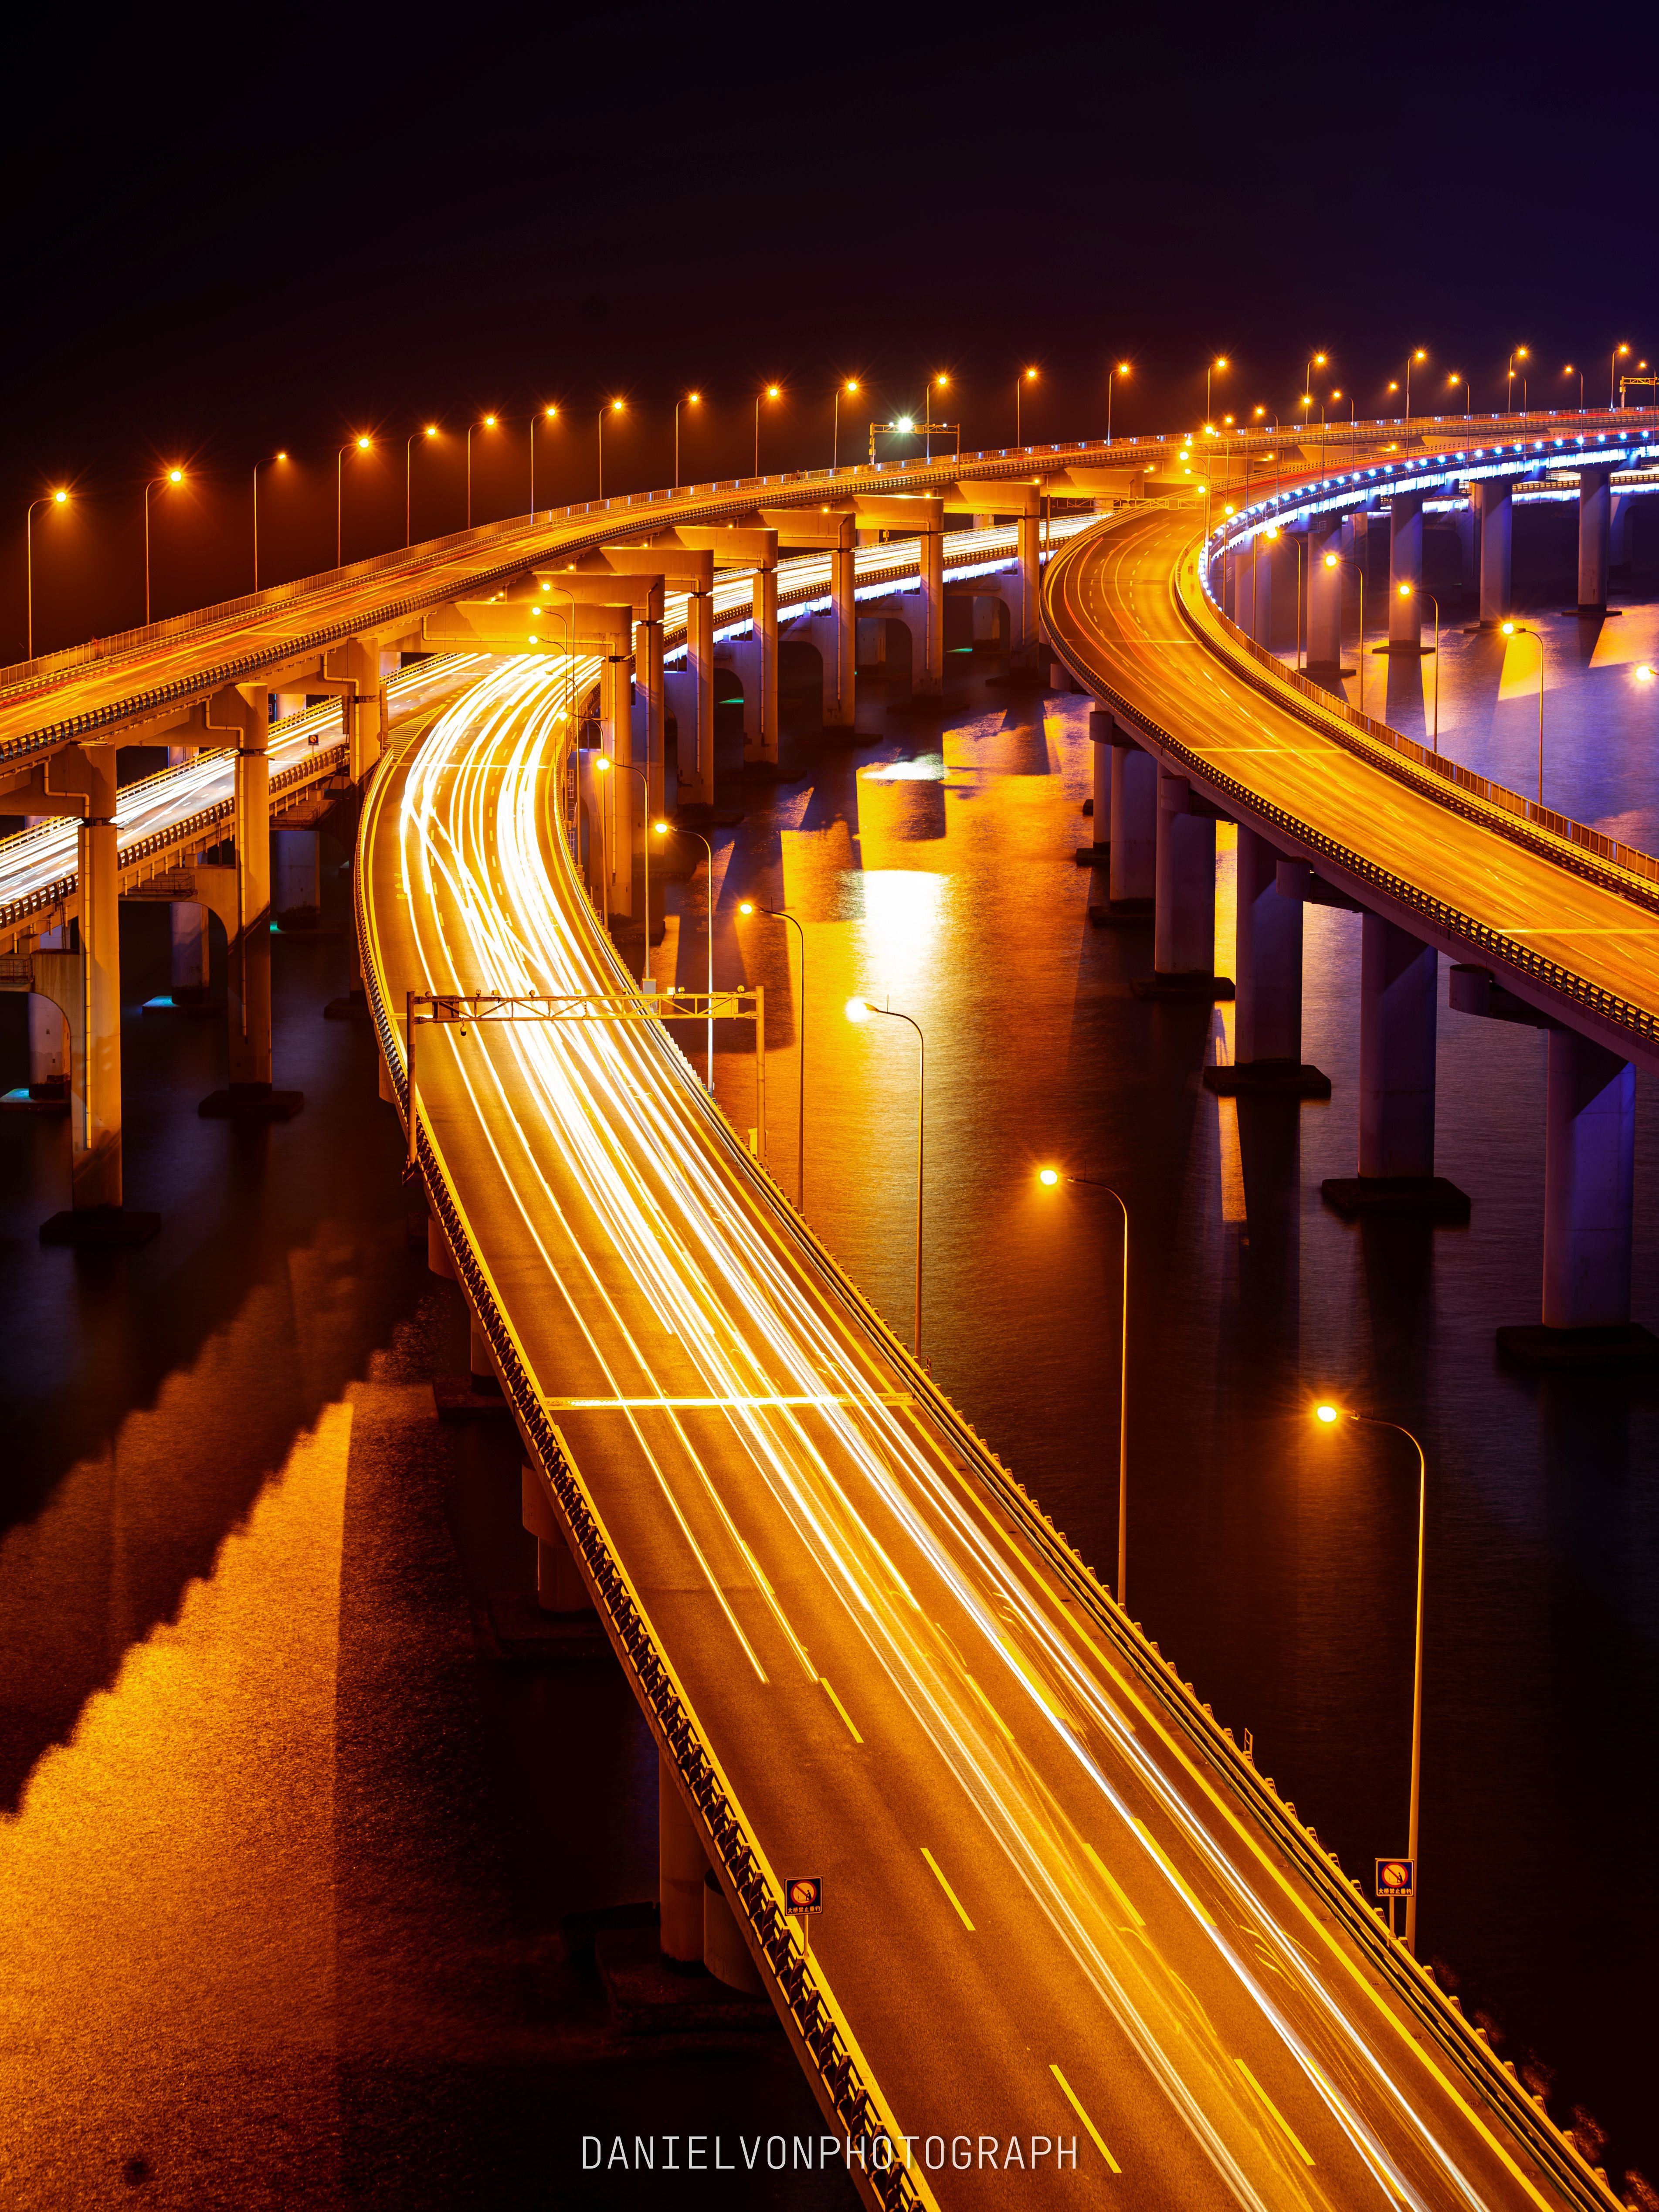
(941, 380)
(552, 413)
(1047, 1177)
(1030, 376)
(1421, 354)
(1328, 1414)
(1644, 674)
(1222, 362)
(745, 906)
(1507, 629)
(661, 829)
(1331, 560)
(282, 457)
(175, 476)
(431, 430)
(1319, 359)
(1405, 591)
(59, 498)
(1271, 531)
(851, 384)
(771, 391)
(904, 423)
(858, 1010)
(601, 765)
(490, 421)
(363, 445)
(616, 406)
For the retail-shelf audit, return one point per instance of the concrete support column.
(1269, 970)
(648, 678)
(1594, 539)
(1256, 592)
(1590, 1167)
(1183, 927)
(95, 1101)
(559, 1584)
(480, 1360)
(190, 948)
(763, 743)
(1396, 1052)
(1404, 567)
(1133, 875)
(49, 1054)
(1029, 537)
(296, 886)
(931, 678)
(698, 770)
(682, 1864)
(620, 793)
(843, 606)
(1324, 602)
(250, 957)
(1495, 508)
(1102, 730)
(1230, 585)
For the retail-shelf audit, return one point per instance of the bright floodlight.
(905, 423)
(1049, 1176)
(858, 1010)
(1271, 531)
(1326, 1413)
(282, 457)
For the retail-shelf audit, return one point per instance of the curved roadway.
(1055, 1912)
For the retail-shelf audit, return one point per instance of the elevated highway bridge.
(1067, 1918)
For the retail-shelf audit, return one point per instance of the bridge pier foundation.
(1132, 877)
(1101, 734)
(1028, 545)
(843, 607)
(693, 696)
(760, 693)
(1595, 539)
(1495, 510)
(1183, 918)
(681, 1862)
(931, 678)
(648, 684)
(1405, 567)
(1397, 1038)
(1267, 976)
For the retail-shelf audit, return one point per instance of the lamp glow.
(1327, 1414)
(858, 1010)
(1048, 1176)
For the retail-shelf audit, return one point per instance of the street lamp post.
(691, 399)
(782, 914)
(1571, 371)
(860, 1010)
(615, 408)
(1210, 367)
(1121, 369)
(1520, 354)
(1406, 591)
(59, 498)
(850, 387)
(770, 392)
(1421, 354)
(1049, 1177)
(670, 829)
(1026, 376)
(546, 414)
(1454, 380)
(1613, 374)
(1329, 1415)
(603, 766)
(1520, 629)
(172, 477)
(1335, 560)
(430, 431)
(257, 465)
(488, 423)
(357, 444)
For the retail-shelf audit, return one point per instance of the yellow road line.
(1101, 1868)
(1071, 2099)
(1203, 1913)
(989, 1707)
(1303, 2152)
(841, 1709)
(946, 1887)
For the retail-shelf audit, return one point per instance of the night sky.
(236, 234)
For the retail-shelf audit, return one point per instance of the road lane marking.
(1168, 1866)
(841, 1709)
(946, 1887)
(989, 1707)
(1102, 1869)
(1303, 2152)
(1072, 2100)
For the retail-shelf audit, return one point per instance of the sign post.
(803, 1894)
(1395, 1878)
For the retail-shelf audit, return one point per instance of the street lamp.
(1335, 560)
(1121, 369)
(1328, 1416)
(1026, 376)
(782, 914)
(1420, 355)
(860, 1010)
(850, 388)
(1220, 362)
(942, 382)
(603, 766)
(772, 391)
(1317, 361)
(691, 399)
(257, 465)
(1613, 374)
(1520, 354)
(1453, 381)
(1571, 371)
(1406, 593)
(1049, 1178)
(172, 477)
(615, 407)
(1520, 629)
(429, 431)
(59, 498)
(670, 829)
(548, 414)
(488, 423)
(1272, 533)
(359, 446)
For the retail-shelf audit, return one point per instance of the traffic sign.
(1396, 1877)
(804, 1893)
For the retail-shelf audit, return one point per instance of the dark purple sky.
(235, 234)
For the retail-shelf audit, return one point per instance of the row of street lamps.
(1416, 358)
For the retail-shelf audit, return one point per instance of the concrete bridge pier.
(189, 974)
(1028, 534)
(559, 1584)
(1594, 539)
(1183, 921)
(1494, 510)
(843, 607)
(1397, 1038)
(1324, 660)
(1405, 567)
(648, 685)
(49, 1046)
(296, 880)
(1102, 730)
(1132, 877)
(691, 692)
(240, 711)
(619, 793)
(681, 1862)
(1254, 591)
(760, 694)
(1267, 976)
(931, 676)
